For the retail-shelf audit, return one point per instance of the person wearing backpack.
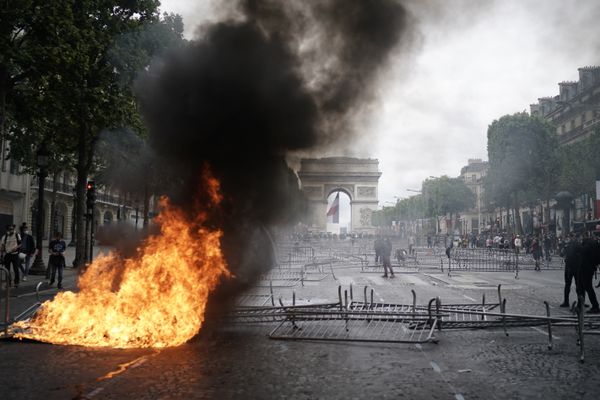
(10, 246)
(27, 248)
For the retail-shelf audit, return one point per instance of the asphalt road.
(241, 362)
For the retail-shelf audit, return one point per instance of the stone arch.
(338, 189)
(357, 177)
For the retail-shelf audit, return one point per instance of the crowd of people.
(18, 250)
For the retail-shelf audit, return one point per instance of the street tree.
(98, 48)
(445, 195)
(522, 155)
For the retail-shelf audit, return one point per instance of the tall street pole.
(38, 267)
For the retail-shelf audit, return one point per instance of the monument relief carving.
(365, 216)
(366, 191)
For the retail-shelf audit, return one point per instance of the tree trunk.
(146, 205)
(83, 168)
(53, 206)
(4, 87)
(518, 223)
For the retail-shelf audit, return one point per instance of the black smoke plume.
(286, 76)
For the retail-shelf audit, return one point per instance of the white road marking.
(544, 332)
(468, 298)
(94, 392)
(436, 367)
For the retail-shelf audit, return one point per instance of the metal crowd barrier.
(290, 256)
(496, 260)
(357, 322)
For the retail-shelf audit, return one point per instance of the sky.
(469, 62)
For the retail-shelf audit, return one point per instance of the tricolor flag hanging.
(334, 210)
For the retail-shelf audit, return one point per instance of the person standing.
(27, 248)
(10, 245)
(536, 251)
(56, 263)
(518, 244)
(547, 246)
(377, 246)
(571, 254)
(386, 258)
(411, 245)
(590, 258)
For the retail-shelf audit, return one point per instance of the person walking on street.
(9, 247)
(27, 248)
(590, 258)
(56, 263)
(386, 256)
(377, 246)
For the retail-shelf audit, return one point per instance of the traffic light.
(90, 194)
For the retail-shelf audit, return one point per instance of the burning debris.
(156, 299)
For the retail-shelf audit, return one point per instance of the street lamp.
(38, 267)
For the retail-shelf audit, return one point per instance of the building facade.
(475, 220)
(19, 195)
(575, 111)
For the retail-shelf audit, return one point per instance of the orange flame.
(156, 299)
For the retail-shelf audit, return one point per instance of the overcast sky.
(471, 62)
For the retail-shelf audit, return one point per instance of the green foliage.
(580, 165)
(523, 157)
(408, 209)
(446, 195)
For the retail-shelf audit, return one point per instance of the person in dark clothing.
(56, 263)
(572, 256)
(377, 246)
(590, 258)
(28, 248)
(386, 258)
(547, 246)
(536, 251)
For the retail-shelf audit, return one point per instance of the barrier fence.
(497, 260)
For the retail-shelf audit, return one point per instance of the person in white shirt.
(9, 246)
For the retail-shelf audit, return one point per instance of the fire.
(156, 299)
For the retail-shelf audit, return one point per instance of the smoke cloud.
(279, 76)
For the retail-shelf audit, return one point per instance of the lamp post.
(38, 267)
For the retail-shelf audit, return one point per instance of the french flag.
(334, 210)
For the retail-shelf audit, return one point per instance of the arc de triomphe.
(357, 177)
